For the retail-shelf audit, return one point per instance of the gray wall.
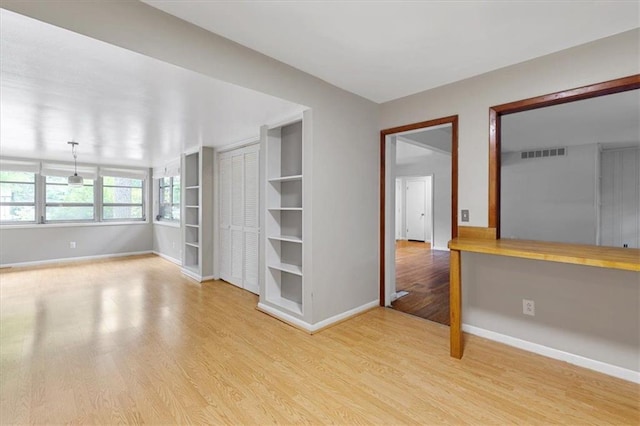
(440, 166)
(167, 240)
(345, 133)
(550, 199)
(583, 310)
(495, 286)
(43, 242)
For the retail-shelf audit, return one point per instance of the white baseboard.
(169, 258)
(345, 315)
(440, 248)
(313, 328)
(591, 364)
(199, 278)
(73, 259)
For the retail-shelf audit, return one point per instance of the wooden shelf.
(193, 187)
(288, 238)
(293, 209)
(191, 225)
(286, 178)
(192, 245)
(287, 267)
(578, 254)
(192, 207)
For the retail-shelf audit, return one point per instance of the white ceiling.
(383, 50)
(606, 119)
(414, 147)
(122, 107)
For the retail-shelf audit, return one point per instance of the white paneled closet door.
(239, 213)
(251, 220)
(225, 218)
(620, 197)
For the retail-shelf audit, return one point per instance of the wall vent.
(543, 153)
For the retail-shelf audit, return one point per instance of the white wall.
(486, 278)
(345, 133)
(51, 242)
(167, 241)
(550, 199)
(439, 165)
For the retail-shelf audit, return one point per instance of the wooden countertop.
(602, 257)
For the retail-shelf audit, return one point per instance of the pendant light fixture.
(75, 180)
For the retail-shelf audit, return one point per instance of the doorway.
(419, 180)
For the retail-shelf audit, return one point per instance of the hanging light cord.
(75, 160)
(75, 157)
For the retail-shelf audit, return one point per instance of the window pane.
(176, 192)
(69, 194)
(17, 213)
(122, 195)
(165, 211)
(165, 197)
(117, 181)
(17, 177)
(176, 212)
(165, 181)
(122, 212)
(69, 213)
(17, 192)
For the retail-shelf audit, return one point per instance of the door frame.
(453, 120)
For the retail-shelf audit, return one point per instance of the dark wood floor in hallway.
(424, 273)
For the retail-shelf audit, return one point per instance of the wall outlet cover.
(529, 307)
(72, 244)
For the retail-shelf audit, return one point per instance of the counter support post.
(455, 305)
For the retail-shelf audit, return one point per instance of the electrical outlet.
(72, 244)
(465, 215)
(529, 307)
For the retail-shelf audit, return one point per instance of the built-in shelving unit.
(197, 175)
(284, 282)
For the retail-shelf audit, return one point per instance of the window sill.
(72, 225)
(166, 223)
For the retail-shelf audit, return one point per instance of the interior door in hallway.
(239, 223)
(416, 209)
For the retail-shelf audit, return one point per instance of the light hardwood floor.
(133, 341)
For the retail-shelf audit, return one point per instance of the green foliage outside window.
(17, 197)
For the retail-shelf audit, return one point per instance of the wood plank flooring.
(134, 341)
(424, 273)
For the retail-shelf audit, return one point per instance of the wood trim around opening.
(453, 120)
(495, 114)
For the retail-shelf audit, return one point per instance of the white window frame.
(25, 168)
(46, 204)
(171, 204)
(127, 174)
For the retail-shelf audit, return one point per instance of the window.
(169, 198)
(17, 197)
(35, 192)
(67, 203)
(122, 198)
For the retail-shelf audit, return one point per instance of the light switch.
(465, 215)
